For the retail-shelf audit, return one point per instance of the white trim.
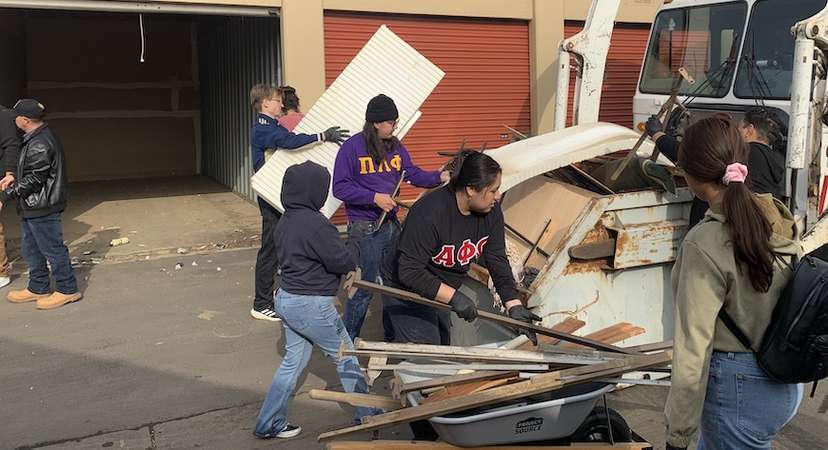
(140, 7)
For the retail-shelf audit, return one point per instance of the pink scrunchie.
(735, 173)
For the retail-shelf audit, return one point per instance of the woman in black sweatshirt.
(444, 232)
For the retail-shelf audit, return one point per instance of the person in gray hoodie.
(737, 259)
(312, 258)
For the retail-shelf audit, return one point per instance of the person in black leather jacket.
(39, 189)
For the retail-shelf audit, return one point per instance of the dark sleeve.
(494, 254)
(668, 146)
(9, 143)
(332, 251)
(38, 165)
(417, 242)
(279, 137)
(760, 172)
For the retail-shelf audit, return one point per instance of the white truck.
(604, 257)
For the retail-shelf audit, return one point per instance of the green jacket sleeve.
(699, 289)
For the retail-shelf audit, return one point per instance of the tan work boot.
(57, 299)
(24, 295)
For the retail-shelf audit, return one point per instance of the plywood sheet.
(386, 65)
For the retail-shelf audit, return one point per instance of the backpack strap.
(731, 325)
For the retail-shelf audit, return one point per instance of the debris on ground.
(181, 251)
(194, 264)
(218, 269)
(178, 266)
(119, 241)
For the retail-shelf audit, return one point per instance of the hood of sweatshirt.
(783, 239)
(305, 186)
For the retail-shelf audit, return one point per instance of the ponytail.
(750, 233)
(710, 148)
(473, 169)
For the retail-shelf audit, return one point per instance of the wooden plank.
(452, 379)
(612, 334)
(654, 347)
(540, 384)
(372, 375)
(558, 360)
(469, 366)
(466, 389)
(570, 325)
(355, 399)
(422, 445)
(503, 320)
(368, 348)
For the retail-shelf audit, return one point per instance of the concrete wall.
(12, 58)
(303, 36)
(117, 117)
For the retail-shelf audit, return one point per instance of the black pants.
(266, 262)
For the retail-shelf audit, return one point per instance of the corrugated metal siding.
(385, 64)
(486, 83)
(236, 53)
(626, 52)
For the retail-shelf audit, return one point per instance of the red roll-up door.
(626, 52)
(485, 87)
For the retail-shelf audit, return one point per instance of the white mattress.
(386, 65)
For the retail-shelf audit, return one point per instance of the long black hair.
(474, 169)
(378, 148)
(708, 147)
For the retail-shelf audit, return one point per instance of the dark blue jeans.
(43, 241)
(373, 246)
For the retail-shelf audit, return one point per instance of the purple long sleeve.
(357, 177)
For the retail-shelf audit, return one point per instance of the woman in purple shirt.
(367, 170)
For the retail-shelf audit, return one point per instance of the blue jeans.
(373, 246)
(743, 408)
(42, 240)
(308, 320)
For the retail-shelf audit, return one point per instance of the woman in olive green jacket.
(736, 258)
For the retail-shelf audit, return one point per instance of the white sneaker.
(4, 281)
(289, 431)
(265, 314)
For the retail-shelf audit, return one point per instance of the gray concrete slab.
(130, 439)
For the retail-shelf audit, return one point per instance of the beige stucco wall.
(636, 11)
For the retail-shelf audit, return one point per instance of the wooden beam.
(422, 445)
(654, 347)
(503, 320)
(469, 366)
(540, 384)
(354, 399)
(466, 389)
(570, 325)
(452, 379)
(612, 334)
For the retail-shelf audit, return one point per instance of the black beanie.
(380, 109)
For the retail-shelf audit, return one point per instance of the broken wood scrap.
(612, 334)
(570, 325)
(355, 399)
(372, 375)
(540, 384)
(653, 347)
(425, 445)
(402, 388)
(394, 350)
(470, 366)
(467, 388)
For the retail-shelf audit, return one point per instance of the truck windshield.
(766, 67)
(704, 40)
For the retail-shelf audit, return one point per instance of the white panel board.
(386, 65)
(525, 159)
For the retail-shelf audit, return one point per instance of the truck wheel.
(594, 428)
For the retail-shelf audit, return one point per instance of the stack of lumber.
(477, 377)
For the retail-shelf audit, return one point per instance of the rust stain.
(595, 265)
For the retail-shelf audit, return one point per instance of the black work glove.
(670, 447)
(653, 126)
(522, 313)
(335, 135)
(463, 306)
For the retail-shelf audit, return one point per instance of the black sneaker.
(289, 431)
(265, 314)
